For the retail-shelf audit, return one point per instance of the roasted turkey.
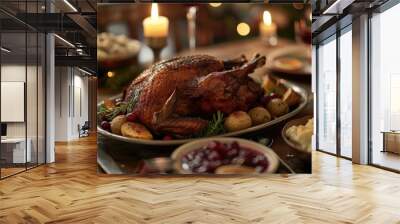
(174, 96)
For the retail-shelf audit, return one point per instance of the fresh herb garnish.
(215, 126)
(132, 101)
(105, 113)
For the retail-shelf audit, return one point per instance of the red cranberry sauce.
(215, 154)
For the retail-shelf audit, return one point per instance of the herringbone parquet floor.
(70, 191)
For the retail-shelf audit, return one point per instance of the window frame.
(378, 10)
(347, 27)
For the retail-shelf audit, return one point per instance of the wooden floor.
(70, 191)
(386, 159)
(10, 171)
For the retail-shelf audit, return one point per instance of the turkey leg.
(248, 67)
(219, 82)
(236, 62)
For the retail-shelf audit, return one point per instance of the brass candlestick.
(156, 44)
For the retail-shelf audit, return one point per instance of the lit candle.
(268, 28)
(155, 25)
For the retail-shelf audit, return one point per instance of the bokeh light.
(110, 74)
(243, 29)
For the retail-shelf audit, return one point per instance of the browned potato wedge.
(291, 97)
(135, 130)
(277, 107)
(237, 121)
(259, 115)
(116, 124)
(268, 85)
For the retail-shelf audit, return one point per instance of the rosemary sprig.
(215, 126)
(133, 100)
(122, 108)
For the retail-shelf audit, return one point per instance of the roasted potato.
(237, 121)
(291, 97)
(116, 124)
(277, 107)
(135, 130)
(259, 115)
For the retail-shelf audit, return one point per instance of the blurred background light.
(215, 4)
(243, 29)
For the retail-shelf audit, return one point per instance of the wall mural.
(204, 88)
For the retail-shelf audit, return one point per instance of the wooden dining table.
(123, 161)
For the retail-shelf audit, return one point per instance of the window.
(22, 75)
(385, 89)
(333, 106)
(326, 96)
(346, 75)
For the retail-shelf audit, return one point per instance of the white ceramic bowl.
(197, 144)
(295, 122)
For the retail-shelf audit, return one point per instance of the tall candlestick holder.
(191, 19)
(156, 44)
(270, 40)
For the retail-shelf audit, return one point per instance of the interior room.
(49, 166)
(338, 87)
(23, 98)
(41, 77)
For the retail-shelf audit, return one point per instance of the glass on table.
(302, 32)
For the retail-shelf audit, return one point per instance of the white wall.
(12, 73)
(71, 94)
(80, 111)
(61, 104)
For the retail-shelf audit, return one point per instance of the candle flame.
(267, 17)
(154, 10)
(215, 4)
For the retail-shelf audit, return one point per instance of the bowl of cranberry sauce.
(224, 156)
